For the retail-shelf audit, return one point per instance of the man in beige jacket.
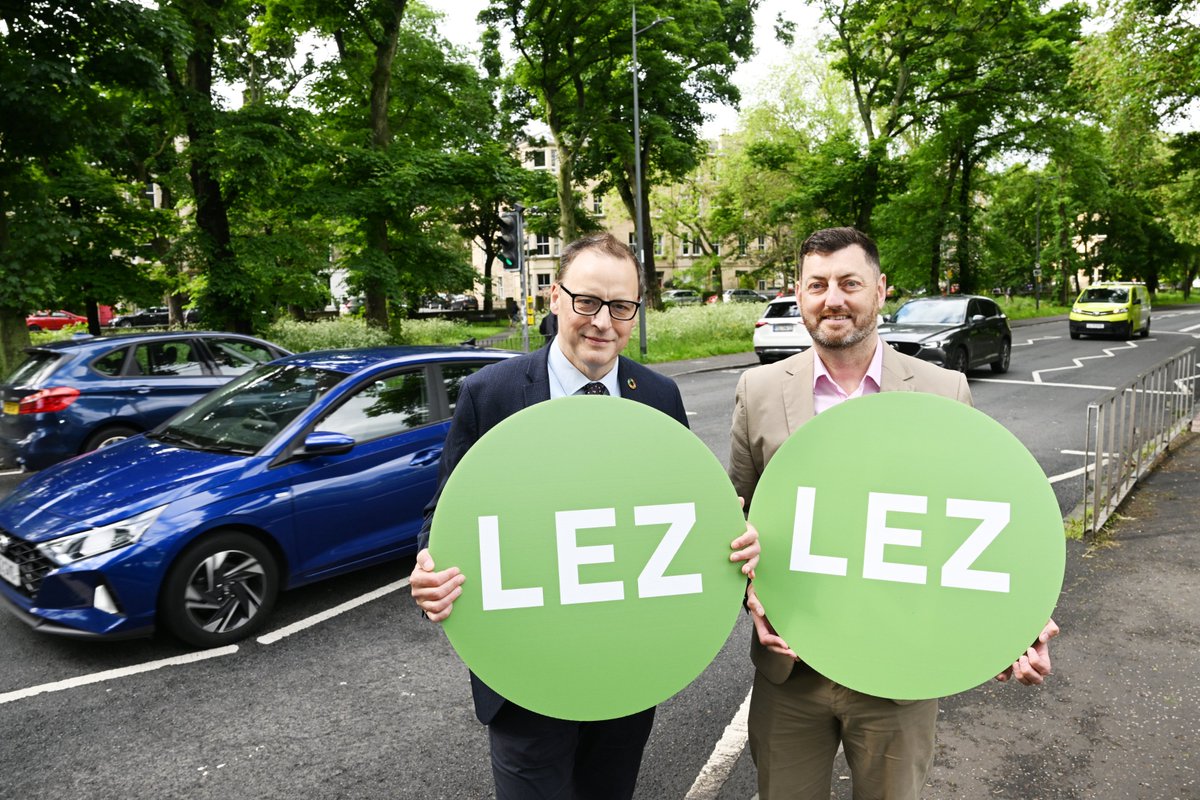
(798, 717)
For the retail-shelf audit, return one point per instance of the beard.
(863, 326)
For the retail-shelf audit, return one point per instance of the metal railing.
(1129, 429)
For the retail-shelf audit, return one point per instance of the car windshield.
(1104, 295)
(783, 310)
(936, 312)
(244, 415)
(38, 364)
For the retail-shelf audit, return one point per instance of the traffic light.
(509, 240)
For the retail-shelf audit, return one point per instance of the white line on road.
(296, 627)
(1043, 383)
(724, 756)
(11, 472)
(1109, 352)
(1028, 342)
(120, 672)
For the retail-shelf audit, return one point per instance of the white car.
(680, 297)
(780, 332)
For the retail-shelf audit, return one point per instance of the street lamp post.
(637, 169)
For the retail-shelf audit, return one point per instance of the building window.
(658, 248)
(537, 158)
(543, 281)
(762, 244)
(633, 242)
(598, 205)
(741, 245)
(716, 248)
(685, 245)
(542, 248)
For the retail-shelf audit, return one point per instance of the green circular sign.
(911, 546)
(594, 534)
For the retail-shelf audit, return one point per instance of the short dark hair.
(604, 243)
(831, 240)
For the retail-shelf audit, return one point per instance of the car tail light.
(56, 398)
(760, 323)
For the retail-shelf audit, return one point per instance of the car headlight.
(933, 344)
(70, 549)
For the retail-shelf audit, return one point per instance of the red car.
(53, 320)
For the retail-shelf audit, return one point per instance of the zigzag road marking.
(1028, 342)
(1109, 352)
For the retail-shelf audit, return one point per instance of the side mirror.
(977, 318)
(1137, 301)
(327, 443)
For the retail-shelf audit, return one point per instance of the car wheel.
(35, 328)
(1000, 365)
(220, 590)
(1145, 330)
(956, 360)
(107, 436)
(124, 323)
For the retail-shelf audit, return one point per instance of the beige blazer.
(773, 401)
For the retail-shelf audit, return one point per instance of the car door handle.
(423, 457)
(142, 389)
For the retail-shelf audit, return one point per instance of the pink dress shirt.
(826, 392)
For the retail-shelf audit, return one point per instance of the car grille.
(908, 348)
(30, 561)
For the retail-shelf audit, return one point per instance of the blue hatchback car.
(301, 469)
(74, 396)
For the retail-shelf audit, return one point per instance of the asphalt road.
(372, 702)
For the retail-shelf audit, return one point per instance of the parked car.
(301, 469)
(780, 332)
(53, 320)
(680, 297)
(1111, 309)
(464, 302)
(741, 296)
(958, 332)
(153, 317)
(70, 397)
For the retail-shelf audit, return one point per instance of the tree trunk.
(375, 285)
(939, 228)
(966, 275)
(568, 221)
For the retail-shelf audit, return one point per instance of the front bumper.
(78, 600)
(1100, 327)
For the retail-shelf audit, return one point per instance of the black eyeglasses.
(588, 306)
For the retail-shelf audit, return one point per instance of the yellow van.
(1111, 308)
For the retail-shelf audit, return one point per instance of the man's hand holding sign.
(870, 565)
(600, 594)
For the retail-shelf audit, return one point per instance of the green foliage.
(697, 331)
(327, 334)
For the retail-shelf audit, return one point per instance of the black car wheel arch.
(956, 359)
(1000, 365)
(221, 589)
(110, 434)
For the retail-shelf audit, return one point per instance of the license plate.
(1095, 324)
(11, 407)
(10, 571)
(782, 328)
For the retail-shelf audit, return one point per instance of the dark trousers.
(540, 758)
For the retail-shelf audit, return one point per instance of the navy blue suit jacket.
(502, 389)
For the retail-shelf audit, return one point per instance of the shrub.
(326, 334)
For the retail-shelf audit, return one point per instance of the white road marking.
(1109, 352)
(120, 672)
(724, 756)
(11, 472)
(1028, 342)
(296, 627)
(1187, 329)
(1183, 332)
(1043, 383)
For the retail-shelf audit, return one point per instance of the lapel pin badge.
(631, 383)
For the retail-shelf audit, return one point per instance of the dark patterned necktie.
(595, 387)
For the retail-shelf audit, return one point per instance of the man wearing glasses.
(596, 296)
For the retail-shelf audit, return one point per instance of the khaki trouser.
(795, 728)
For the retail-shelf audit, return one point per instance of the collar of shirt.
(566, 380)
(826, 392)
